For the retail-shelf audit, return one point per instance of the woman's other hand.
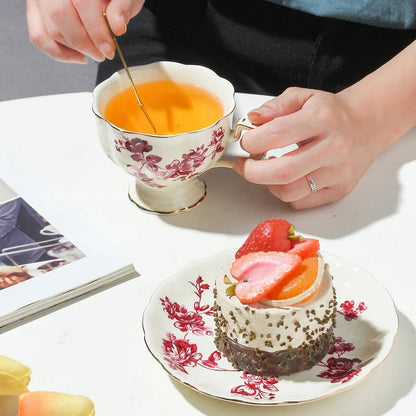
(71, 30)
(336, 143)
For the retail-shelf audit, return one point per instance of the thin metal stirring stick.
(128, 74)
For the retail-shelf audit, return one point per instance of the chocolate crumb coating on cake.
(281, 362)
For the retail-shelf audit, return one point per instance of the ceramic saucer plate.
(179, 332)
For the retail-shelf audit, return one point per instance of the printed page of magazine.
(48, 256)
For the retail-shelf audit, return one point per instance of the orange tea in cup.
(192, 109)
(173, 107)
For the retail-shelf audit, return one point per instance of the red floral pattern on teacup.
(149, 167)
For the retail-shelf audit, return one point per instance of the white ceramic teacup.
(167, 168)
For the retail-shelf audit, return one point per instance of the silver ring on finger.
(311, 182)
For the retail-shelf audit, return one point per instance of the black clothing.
(259, 46)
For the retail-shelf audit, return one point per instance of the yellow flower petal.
(10, 385)
(14, 376)
(51, 403)
(11, 366)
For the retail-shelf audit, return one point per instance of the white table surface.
(95, 346)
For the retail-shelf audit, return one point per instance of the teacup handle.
(242, 125)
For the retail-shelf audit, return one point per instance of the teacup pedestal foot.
(172, 199)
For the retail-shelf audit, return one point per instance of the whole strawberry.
(270, 235)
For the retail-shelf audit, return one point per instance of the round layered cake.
(286, 330)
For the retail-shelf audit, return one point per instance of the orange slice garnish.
(301, 285)
(299, 282)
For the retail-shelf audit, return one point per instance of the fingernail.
(79, 60)
(107, 50)
(124, 23)
(99, 59)
(83, 61)
(255, 115)
(257, 112)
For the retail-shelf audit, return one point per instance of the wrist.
(365, 115)
(383, 103)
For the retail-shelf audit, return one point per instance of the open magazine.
(48, 257)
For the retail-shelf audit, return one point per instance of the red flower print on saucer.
(179, 327)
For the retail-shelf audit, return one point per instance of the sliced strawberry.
(270, 235)
(259, 272)
(305, 247)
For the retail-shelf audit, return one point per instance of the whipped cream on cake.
(275, 311)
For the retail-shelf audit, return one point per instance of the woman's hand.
(333, 149)
(71, 30)
(338, 135)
